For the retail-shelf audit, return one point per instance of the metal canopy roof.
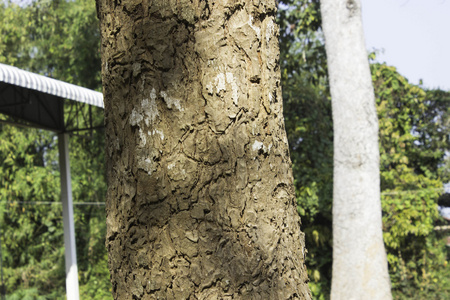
(39, 100)
(33, 100)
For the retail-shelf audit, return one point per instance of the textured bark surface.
(359, 258)
(200, 201)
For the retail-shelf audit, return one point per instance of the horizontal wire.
(51, 202)
(412, 191)
(103, 203)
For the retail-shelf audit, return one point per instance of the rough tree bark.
(200, 201)
(359, 258)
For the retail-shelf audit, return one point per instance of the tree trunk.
(200, 201)
(359, 258)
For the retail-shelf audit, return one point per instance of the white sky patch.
(255, 28)
(447, 187)
(234, 87)
(398, 45)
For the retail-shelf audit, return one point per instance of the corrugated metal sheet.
(22, 78)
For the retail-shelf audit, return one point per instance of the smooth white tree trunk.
(359, 258)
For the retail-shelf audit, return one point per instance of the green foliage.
(31, 234)
(303, 57)
(57, 38)
(307, 112)
(60, 38)
(432, 129)
(31, 214)
(411, 149)
(310, 134)
(414, 134)
(26, 294)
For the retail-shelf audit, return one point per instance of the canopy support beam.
(72, 289)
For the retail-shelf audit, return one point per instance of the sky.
(411, 35)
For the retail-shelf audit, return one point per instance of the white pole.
(72, 289)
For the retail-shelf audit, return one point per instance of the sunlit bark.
(200, 202)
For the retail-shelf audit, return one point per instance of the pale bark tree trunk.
(200, 201)
(359, 258)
